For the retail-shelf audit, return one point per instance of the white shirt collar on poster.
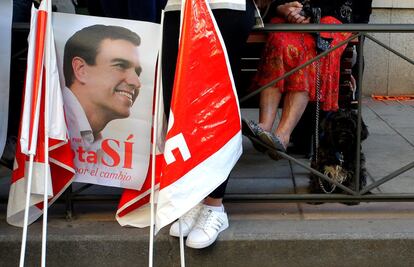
(78, 123)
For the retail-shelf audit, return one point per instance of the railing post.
(358, 143)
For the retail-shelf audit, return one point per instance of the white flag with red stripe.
(32, 87)
(204, 140)
(32, 130)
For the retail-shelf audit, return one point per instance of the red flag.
(134, 207)
(204, 139)
(32, 138)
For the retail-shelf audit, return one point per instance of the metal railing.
(352, 195)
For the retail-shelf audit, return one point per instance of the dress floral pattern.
(285, 51)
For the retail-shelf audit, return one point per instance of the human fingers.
(306, 21)
(291, 17)
(295, 17)
(295, 4)
(300, 19)
(291, 12)
(288, 11)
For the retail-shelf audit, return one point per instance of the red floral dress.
(285, 51)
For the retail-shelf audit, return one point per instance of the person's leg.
(275, 61)
(269, 103)
(211, 221)
(235, 27)
(21, 10)
(211, 217)
(170, 33)
(293, 107)
(227, 21)
(216, 197)
(205, 221)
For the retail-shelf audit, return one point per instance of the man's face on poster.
(113, 83)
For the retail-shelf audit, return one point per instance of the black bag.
(315, 14)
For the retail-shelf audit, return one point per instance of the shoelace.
(190, 216)
(209, 220)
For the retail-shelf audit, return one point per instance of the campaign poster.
(107, 74)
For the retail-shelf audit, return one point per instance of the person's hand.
(291, 11)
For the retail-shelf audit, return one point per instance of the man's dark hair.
(85, 44)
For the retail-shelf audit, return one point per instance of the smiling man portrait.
(102, 76)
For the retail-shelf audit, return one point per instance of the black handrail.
(359, 194)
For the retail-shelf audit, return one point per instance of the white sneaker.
(209, 224)
(188, 221)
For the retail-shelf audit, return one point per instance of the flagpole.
(26, 212)
(153, 150)
(46, 125)
(182, 255)
(35, 94)
(182, 248)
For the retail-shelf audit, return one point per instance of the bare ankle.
(213, 201)
(284, 138)
(265, 127)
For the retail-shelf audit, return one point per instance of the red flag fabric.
(33, 83)
(134, 207)
(36, 97)
(204, 136)
(204, 139)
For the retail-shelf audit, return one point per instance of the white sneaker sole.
(177, 235)
(199, 245)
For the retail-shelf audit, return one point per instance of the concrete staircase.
(260, 234)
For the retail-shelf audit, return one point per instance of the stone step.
(260, 234)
